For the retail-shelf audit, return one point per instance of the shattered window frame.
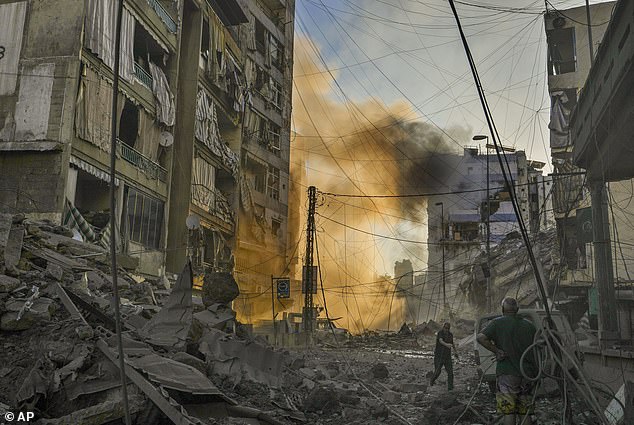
(562, 51)
(144, 218)
(273, 183)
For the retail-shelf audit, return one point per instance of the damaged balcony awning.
(92, 170)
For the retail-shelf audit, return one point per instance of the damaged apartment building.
(203, 116)
(460, 226)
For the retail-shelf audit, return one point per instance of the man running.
(442, 355)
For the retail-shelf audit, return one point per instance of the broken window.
(145, 218)
(259, 180)
(129, 124)
(205, 43)
(276, 225)
(260, 37)
(146, 50)
(277, 53)
(274, 139)
(562, 55)
(273, 183)
(276, 94)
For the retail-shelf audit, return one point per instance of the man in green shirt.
(508, 337)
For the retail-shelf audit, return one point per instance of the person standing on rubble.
(508, 337)
(442, 355)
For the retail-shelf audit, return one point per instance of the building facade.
(55, 106)
(203, 106)
(457, 221)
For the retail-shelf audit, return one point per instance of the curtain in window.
(148, 136)
(93, 109)
(165, 109)
(100, 34)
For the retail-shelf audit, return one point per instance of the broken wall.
(37, 87)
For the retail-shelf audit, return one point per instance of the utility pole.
(442, 242)
(273, 311)
(589, 24)
(113, 227)
(308, 316)
(608, 324)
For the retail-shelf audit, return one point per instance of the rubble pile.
(59, 351)
(187, 358)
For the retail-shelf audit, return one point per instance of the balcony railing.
(143, 76)
(165, 17)
(213, 201)
(142, 162)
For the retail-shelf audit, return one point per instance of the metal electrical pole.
(589, 32)
(608, 321)
(308, 316)
(113, 216)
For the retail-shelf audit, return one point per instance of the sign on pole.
(283, 288)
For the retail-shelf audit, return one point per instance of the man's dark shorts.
(514, 395)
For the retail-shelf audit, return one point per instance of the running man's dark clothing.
(442, 357)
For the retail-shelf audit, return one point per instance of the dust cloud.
(362, 148)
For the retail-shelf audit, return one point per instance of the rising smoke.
(365, 148)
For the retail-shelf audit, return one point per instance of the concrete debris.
(379, 371)
(322, 399)
(189, 359)
(8, 284)
(171, 325)
(219, 287)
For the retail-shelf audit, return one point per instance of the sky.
(409, 52)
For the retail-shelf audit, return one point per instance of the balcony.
(213, 201)
(143, 76)
(165, 17)
(142, 162)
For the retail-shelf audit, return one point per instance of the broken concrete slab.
(170, 326)
(238, 358)
(54, 271)
(8, 283)
(216, 316)
(103, 413)
(5, 227)
(13, 248)
(54, 257)
(322, 399)
(34, 386)
(190, 360)
(40, 310)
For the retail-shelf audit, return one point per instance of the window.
(276, 94)
(260, 37)
(273, 183)
(145, 218)
(205, 43)
(274, 139)
(277, 53)
(259, 183)
(275, 226)
(562, 56)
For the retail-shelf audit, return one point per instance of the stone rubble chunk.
(8, 284)
(41, 310)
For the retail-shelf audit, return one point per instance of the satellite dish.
(166, 139)
(192, 222)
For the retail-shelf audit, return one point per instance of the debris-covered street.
(191, 361)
